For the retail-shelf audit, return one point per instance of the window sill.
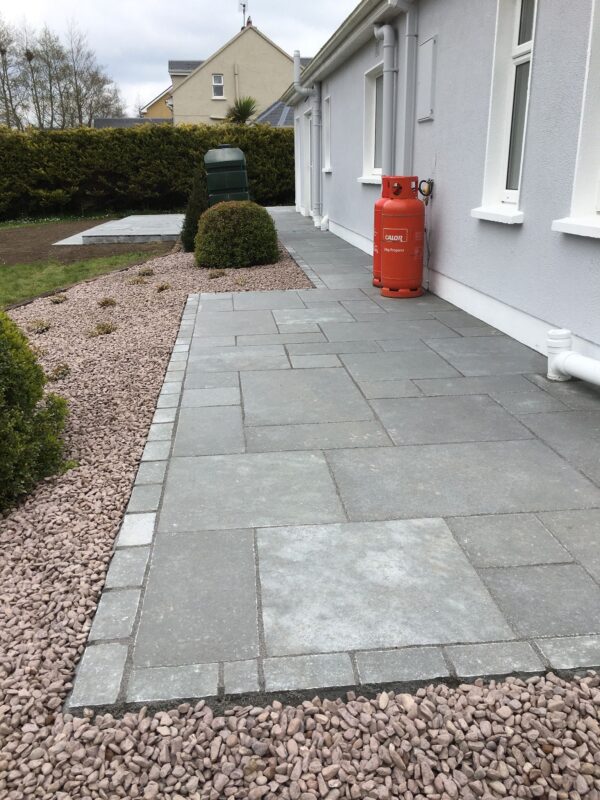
(326, 170)
(579, 226)
(219, 98)
(507, 216)
(374, 179)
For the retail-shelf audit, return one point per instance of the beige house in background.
(250, 64)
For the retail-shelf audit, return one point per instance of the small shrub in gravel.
(56, 299)
(162, 287)
(237, 233)
(59, 372)
(216, 273)
(146, 272)
(138, 281)
(31, 424)
(102, 329)
(107, 302)
(38, 326)
(197, 205)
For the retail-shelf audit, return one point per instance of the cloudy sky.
(134, 39)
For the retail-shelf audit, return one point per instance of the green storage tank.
(226, 176)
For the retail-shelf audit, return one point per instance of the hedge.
(237, 233)
(84, 170)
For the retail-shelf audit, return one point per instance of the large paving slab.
(339, 488)
(133, 229)
(370, 585)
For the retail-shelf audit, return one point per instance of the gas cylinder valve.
(426, 189)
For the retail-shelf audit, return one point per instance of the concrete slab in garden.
(133, 229)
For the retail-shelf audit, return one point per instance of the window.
(513, 53)
(373, 126)
(218, 89)
(327, 134)
(584, 217)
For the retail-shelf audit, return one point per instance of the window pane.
(517, 129)
(526, 23)
(217, 79)
(377, 155)
(217, 91)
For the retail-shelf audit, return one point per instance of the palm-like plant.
(242, 110)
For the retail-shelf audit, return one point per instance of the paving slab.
(302, 396)
(548, 600)
(184, 619)
(570, 652)
(573, 434)
(132, 229)
(387, 327)
(493, 658)
(127, 567)
(173, 683)
(209, 430)
(234, 359)
(211, 323)
(115, 616)
(430, 420)
(362, 586)
(308, 672)
(579, 532)
(248, 490)
(483, 385)
(213, 396)
(390, 366)
(324, 436)
(457, 480)
(406, 665)
(488, 355)
(241, 677)
(507, 540)
(99, 675)
(244, 301)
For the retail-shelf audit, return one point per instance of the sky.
(134, 39)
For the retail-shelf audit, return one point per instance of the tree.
(46, 83)
(242, 110)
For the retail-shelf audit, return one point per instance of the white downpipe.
(387, 35)
(315, 120)
(564, 363)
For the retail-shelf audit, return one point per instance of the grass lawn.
(25, 281)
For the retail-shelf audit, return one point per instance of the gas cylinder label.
(395, 235)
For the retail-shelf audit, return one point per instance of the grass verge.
(19, 282)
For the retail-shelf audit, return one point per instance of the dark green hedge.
(148, 167)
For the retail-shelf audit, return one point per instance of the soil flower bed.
(539, 738)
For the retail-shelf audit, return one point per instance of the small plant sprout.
(59, 372)
(38, 326)
(162, 287)
(58, 298)
(146, 272)
(137, 281)
(216, 273)
(107, 302)
(102, 329)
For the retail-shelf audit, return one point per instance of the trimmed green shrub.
(197, 205)
(237, 233)
(31, 424)
(86, 170)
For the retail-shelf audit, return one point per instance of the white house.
(499, 102)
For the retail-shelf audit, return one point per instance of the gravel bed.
(538, 738)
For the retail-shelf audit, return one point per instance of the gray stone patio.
(339, 490)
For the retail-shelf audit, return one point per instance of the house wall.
(522, 278)
(159, 109)
(264, 72)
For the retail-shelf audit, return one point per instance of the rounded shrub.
(31, 423)
(236, 233)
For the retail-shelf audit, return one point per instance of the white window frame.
(326, 132)
(500, 204)
(370, 173)
(220, 84)
(584, 216)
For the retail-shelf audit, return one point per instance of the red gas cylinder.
(387, 183)
(401, 244)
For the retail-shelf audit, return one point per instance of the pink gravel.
(539, 738)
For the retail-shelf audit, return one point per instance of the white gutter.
(315, 120)
(564, 363)
(386, 34)
(410, 88)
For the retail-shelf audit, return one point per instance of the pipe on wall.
(386, 34)
(314, 93)
(564, 363)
